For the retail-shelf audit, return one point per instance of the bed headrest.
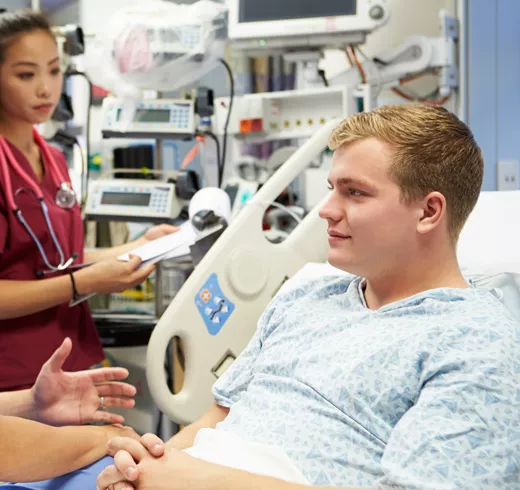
(490, 240)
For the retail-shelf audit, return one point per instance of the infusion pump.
(159, 119)
(133, 200)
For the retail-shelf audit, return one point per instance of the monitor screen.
(268, 10)
(152, 115)
(126, 198)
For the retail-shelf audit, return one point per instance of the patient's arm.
(30, 451)
(209, 420)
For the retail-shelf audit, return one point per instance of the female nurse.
(41, 230)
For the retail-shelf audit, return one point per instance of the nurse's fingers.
(109, 478)
(138, 276)
(115, 389)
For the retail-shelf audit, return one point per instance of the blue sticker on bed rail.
(213, 306)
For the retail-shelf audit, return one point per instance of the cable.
(226, 125)
(289, 211)
(85, 176)
(422, 99)
(358, 64)
(349, 59)
(322, 75)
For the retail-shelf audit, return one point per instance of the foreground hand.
(64, 398)
(175, 470)
(127, 454)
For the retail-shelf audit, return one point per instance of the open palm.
(64, 398)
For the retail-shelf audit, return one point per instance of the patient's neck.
(436, 269)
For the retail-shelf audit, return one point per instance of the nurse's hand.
(159, 231)
(111, 276)
(63, 398)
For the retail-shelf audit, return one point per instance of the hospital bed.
(216, 311)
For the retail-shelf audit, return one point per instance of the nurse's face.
(30, 78)
(372, 232)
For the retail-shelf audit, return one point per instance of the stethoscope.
(65, 198)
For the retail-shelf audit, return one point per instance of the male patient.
(398, 376)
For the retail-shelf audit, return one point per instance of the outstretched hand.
(74, 398)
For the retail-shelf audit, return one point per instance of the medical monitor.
(263, 25)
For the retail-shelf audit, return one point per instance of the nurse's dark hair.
(16, 23)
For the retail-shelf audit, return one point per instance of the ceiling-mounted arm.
(418, 54)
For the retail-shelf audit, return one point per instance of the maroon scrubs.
(28, 341)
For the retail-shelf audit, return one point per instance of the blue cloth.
(421, 394)
(84, 479)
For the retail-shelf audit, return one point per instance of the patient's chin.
(342, 262)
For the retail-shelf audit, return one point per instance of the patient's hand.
(127, 454)
(136, 468)
(63, 398)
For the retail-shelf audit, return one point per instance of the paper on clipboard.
(174, 245)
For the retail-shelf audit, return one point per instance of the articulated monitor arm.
(417, 55)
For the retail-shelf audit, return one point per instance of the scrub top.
(28, 341)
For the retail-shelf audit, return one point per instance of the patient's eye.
(354, 192)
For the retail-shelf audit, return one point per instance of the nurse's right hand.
(111, 276)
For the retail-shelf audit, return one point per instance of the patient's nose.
(330, 210)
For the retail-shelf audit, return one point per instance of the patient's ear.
(432, 212)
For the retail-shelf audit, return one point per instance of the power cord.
(226, 125)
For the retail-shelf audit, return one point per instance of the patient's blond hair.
(432, 151)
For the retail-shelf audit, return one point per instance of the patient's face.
(371, 230)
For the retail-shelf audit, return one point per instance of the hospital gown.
(421, 394)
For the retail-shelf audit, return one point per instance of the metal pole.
(159, 307)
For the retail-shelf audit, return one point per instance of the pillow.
(508, 285)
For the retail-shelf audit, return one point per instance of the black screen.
(126, 199)
(152, 115)
(265, 10)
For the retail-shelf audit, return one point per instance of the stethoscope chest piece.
(65, 196)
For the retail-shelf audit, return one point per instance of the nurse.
(41, 230)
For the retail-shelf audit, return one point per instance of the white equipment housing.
(287, 24)
(249, 271)
(162, 118)
(136, 200)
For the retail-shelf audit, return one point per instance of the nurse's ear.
(431, 212)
